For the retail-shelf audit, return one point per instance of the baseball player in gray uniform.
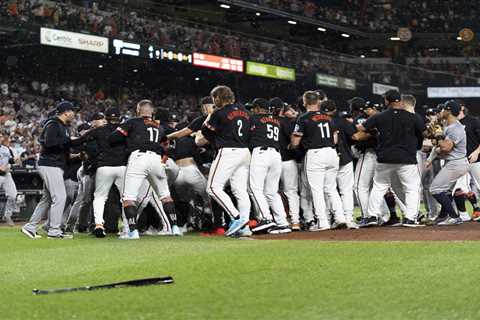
(6, 180)
(452, 147)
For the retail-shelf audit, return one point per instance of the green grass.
(218, 278)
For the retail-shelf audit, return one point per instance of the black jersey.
(286, 130)
(265, 131)
(108, 154)
(182, 148)
(345, 132)
(472, 129)
(371, 142)
(316, 129)
(143, 134)
(197, 123)
(229, 126)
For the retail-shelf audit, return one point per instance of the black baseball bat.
(130, 283)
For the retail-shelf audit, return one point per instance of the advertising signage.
(453, 92)
(380, 89)
(73, 40)
(336, 82)
(217, 62)
(270, 71)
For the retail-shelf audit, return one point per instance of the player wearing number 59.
(227, 128)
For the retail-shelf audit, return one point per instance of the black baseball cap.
(97, 116)
(65, 106)
(276, 103)
(112, 112)
(328, 106)
(392, 96)
(356, 104)
(453, 106)
(249, 105)
(173, 117)
(260, 103)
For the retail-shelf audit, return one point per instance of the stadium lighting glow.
(345, 35)
(258, 14)
(321, 29)
(100, 66)
(292, 22)
(224, 6)
(197, 79)
(395, 38)
(459, 38)
(135, 70)
(362, 56)
(374, 50)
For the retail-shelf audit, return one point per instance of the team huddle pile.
(262, 150)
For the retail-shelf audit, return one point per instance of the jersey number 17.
(154, 133)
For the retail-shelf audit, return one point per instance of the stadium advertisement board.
(73, 40)
(453, 92)
(270, 71)
(217, 62)
(380, 89)
(336, 82)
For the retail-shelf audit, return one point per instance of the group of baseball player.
(271, 169)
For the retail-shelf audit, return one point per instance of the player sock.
(460, 198)
(446, 203)
(131, 214)
(472, 198)
(390, 200)
(169, 208)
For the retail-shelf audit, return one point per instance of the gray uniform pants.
(71, 187)
(86, 185)
(8, 185)
(53, 200)
(445, 180)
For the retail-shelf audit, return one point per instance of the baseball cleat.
(369, 222)
(393, 222)
(60, 236)
(411, 223)
(295, 227)
(176, 231)
(312, 226)
(244, 232)
(99, 231)
(280, 230)
(450, 222)
(352, 225)
(131, 235)
(235, 225)
(336, 225)
(30, 234)
(465, 216)
(263, 225)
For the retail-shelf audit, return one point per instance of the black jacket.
(55, 142)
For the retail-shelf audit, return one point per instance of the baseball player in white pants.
(6, 181)
(227, 127)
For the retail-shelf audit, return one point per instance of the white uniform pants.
(231, 165)
(289, 183)
(345, 181)
(364, 179)
(264, 179)
(104, 179)
(321, 167)
(410, 181)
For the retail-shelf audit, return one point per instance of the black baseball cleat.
(99, 231)
(411, 224)
(393, 222)
(263, 225)
(369, 222)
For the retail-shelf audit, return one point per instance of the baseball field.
(218, 278)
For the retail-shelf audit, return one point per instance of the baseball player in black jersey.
(143, 137)
(228, 127)
(111, 162)
(290, 175)
(207, 106)
(318, 135)
(266, 168)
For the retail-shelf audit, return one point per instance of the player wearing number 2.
(318, 135)
(228, 128)
(266, 168)
(144, 137)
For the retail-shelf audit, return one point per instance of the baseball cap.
(328, 106)
(276, 103)
(173, 117)
(206, 100)
(112, 112)
(453, 106)
(345, 114)
(249, 105)
(64, 106)
(260, 103)
(97, 116)
(392, 96)
(356, 104)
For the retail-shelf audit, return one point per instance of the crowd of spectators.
(387, 16)
(103, 19)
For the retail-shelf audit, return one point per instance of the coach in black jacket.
(55, 142)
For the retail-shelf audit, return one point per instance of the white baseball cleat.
(465, 216)
(131, 235)
(176, 231)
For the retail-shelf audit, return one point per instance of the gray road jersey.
(4, 155)
(456, 133)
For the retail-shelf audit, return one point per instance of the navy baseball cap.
(112, 112)
(392, 96)
(97, 116)
(276, 103)
(260, 103)
(453, 106)
(356, 104)
(65, 106)
(328, 106)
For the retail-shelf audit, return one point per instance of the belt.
(146, 151)
(266, 148)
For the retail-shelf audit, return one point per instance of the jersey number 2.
(153, 134)
(324, 130)
(240, 125)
